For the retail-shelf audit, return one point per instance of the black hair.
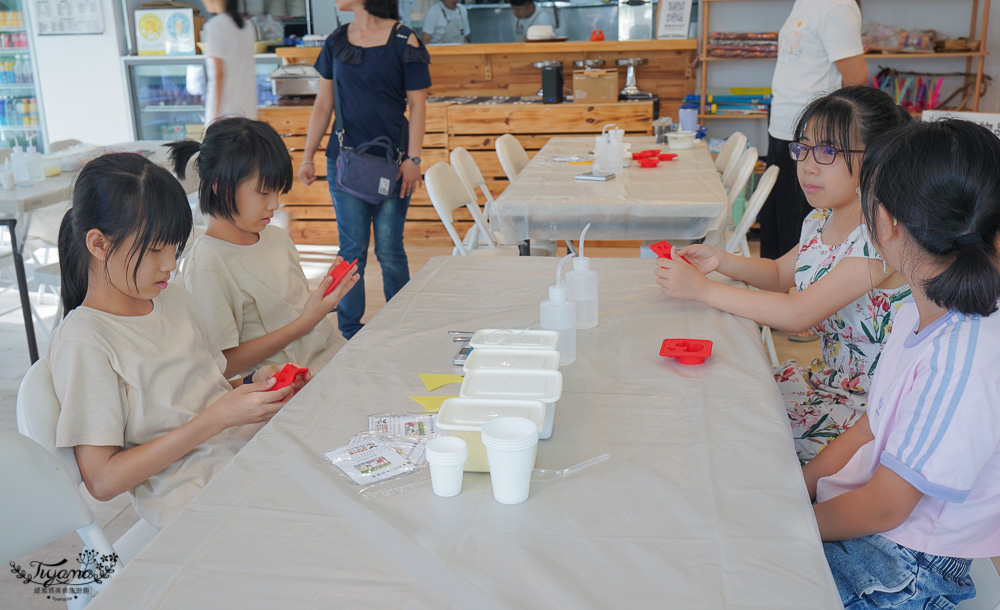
(939, 180)
(520, 2)
(384, 9)
(233, 10)
(235, 149)
(121, 195)
(851, 118)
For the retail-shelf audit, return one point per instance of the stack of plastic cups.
(446, 456)
(510, 450)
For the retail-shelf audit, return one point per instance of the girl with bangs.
(844, 290)
(243, 274)
(143, 396)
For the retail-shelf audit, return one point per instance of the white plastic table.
(701, 504)
(18, 204)
(678, 199)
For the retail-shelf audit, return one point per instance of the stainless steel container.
(296, 79)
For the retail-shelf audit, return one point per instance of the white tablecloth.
(701, 505)
(678, 199)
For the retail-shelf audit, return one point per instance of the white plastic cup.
(446, 456)
(7, 179)
(510, 450)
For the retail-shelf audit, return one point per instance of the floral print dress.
(828, 396)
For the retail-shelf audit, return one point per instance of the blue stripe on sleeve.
(935, 406)
(922, 403)
(956, 396)
(920, 482)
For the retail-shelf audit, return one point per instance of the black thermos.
(552, 85)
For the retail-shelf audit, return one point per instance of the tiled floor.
(117, 515)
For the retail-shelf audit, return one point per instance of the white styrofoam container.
(516, 338)
(542, 385)
(512, 359)
(464, 418)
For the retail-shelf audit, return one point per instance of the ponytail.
(975, 266)
(233, 10)
(74, 270)
(181, 153)
(122, 195)
(939, 180)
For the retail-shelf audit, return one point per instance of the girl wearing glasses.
(845, 291)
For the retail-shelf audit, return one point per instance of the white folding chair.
(730, 152)
(737, 242)
(448, 193)
(512, 156)
(49, 279)
(472, 178)
(741, 174)
(987, 581)
(37, 410)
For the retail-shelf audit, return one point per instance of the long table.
(701, 504)
(18, 204)
(678, 199)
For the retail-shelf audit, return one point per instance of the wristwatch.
(416, 160)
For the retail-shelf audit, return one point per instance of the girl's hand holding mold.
(705, 258)
(266, 372)
(679, 279)
(250, 403)
(317, 305)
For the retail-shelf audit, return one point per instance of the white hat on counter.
(540, 32)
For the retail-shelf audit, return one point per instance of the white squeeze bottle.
(581, 288)
(560, 315)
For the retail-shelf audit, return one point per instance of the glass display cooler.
(20, 108)
(168, 94)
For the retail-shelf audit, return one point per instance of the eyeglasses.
(824, 155)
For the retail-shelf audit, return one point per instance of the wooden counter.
(491, 70)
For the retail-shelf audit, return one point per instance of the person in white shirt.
(819, 51)
(447, 22)
(527, 15)
(232, 80)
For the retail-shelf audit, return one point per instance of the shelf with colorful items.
(757, 46)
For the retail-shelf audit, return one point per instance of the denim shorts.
(875, 572)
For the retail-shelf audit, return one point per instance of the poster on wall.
(165, 31)
(67, 17)
(673, 18)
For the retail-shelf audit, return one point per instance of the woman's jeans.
(355, 219)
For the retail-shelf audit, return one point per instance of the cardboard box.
(595, 86)
(167, 31)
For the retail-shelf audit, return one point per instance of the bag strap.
(381, 141)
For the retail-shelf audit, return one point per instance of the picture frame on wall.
(673, 18)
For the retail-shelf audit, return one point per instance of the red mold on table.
(686, 351)
(649, 162)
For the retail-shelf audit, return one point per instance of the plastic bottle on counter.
(558, 314)
(19, 161)
(581, 288)
(35, 167)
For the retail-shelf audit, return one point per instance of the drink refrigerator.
(168, 94)
(20, 108)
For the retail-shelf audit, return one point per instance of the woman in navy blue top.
(380, 67)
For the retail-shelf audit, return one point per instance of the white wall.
(83, 89)
(951, 18)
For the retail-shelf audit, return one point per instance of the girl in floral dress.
(845, 292)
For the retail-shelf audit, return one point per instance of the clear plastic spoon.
(539, 475)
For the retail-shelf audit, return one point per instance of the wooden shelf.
(866, 55)
(756, 115)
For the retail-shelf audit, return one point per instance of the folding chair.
(448, 193)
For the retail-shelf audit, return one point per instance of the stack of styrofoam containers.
(513, 365)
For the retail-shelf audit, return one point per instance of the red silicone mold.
(286, 376)
(664, 249)
(686, 351)
(649, 162)
(342, 270)
(645, 154)
(668, 156)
